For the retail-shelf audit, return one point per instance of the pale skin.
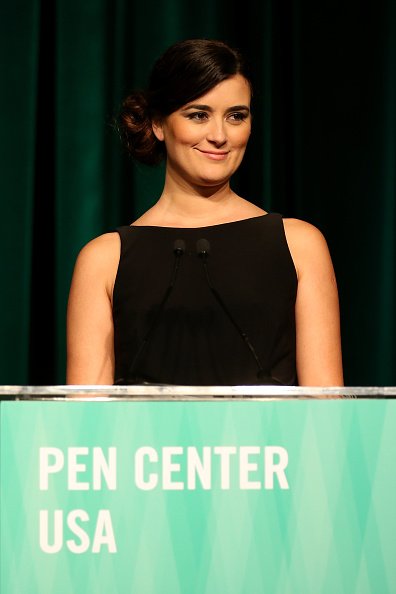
(205, 143)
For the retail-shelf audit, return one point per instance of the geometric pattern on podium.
(333, 531)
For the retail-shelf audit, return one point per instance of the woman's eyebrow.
(196, 106)
(239, 108)
(208, 108)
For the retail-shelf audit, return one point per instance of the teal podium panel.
(213, 497)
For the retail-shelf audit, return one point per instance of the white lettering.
(197, 466)
(169, 468)
(74, 468)
(105, 468)
(104, 534)
(140, 481)
(77, 530)
(177, 468)
(277, 468)
(225, 452)
(51, 461)
(246, 467)
(57, 540)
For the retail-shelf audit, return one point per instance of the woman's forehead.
(233, 91)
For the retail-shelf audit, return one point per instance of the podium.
(198, 490)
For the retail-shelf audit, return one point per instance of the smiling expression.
(206, 139)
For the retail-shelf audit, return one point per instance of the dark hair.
(186, 71)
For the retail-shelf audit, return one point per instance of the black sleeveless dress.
(241, 332)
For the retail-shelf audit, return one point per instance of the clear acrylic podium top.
(166, 392)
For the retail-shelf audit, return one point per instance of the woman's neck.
(175, 212)
(197, 205)
(183, 205)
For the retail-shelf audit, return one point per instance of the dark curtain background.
(323, 149)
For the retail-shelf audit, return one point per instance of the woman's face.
(206, 139)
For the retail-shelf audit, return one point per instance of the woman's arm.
(90, 348)
(319, 360)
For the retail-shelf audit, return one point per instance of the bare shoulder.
(303, 236)
(101, 252)
(98, 260)
(306, 243)
(105, 246)
(298, 231)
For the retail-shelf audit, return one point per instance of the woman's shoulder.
(106, 245)
(99, 258)
(303, 234)
(307, 244)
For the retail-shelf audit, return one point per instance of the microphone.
(179, 248)
(203, 251)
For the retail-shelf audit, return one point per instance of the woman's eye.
(237, 116)
(198, 115)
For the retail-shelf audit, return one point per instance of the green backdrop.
(323, 150)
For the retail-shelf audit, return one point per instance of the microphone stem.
(178, 254)
(226, 311)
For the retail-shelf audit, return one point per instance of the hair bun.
(134, 125)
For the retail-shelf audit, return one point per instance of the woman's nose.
(216, 132)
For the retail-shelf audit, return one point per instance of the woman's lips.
(215, 155)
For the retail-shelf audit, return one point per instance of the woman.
(205, 287)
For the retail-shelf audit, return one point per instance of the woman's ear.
(158, 129)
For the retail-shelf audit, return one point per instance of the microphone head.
(179, 247)
(203, 248)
